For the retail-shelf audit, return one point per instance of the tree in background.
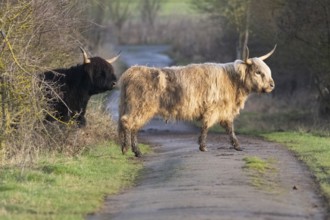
(305, 31)
(230, 14)
(149, 10)
(96, 16)
(119, 12)
(101, 12)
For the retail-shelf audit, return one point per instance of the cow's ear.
(241, 69)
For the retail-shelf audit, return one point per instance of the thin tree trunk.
(246, 32)
(244, 35)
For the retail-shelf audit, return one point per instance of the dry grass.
(282, 112)
(57, 138)
(100, 126)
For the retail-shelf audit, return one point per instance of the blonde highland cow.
(209, 92)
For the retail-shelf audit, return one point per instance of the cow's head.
(255, 73)
(100, 72)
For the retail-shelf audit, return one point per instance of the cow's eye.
(260, 74)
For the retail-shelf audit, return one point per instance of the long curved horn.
(246, 58)
(268, 54)
(86, 59)
(113, 59)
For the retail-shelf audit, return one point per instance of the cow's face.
(101, 74)
(260, 77)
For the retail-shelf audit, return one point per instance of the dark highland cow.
(74, 87)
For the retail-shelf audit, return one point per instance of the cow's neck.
(242, 93)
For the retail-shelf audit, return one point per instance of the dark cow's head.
(75, 86)
(100, 71)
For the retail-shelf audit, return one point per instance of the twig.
(12, 52)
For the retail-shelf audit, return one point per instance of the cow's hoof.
(203, 149)
(137, 154)
(238, 148)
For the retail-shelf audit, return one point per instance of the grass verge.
(313, 150)
(66, 188)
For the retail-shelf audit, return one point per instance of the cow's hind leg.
(124, 135)
(135, 147)
(229, 126)
(138, 119)
(202, 137)
(127, 141)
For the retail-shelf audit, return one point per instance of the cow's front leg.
(81, 115)
(202, 138)
(229, 126)
(81, 121)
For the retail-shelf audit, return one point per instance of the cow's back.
(181, 93)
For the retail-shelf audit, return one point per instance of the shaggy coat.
(210, 92)
(74, 87)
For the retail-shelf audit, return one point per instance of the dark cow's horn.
(86, 59)
(113, 59)
(268, 54)
(246, 58)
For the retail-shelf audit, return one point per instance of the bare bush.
(37, 35)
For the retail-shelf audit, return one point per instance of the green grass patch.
(66, 188)
(262, 173)
(313, 150)
(257, 164)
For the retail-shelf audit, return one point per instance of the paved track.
(180, 182)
